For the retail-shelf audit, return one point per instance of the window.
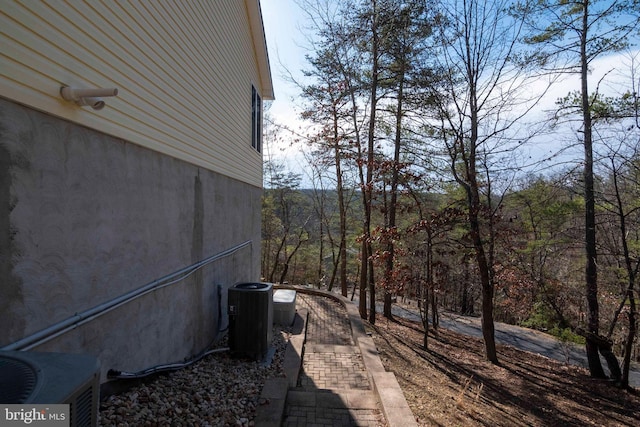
(256, 120)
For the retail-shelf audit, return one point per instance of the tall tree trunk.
(474, 205)
(334, 272)
(342, 251)
(425, 316)
(367, 268)
(394, 199)
(631, 278)
(372, 291)
(466, 307)
(628, 347)
(321, 243)
(488, 328)
(431, 280)
(591, 270)
(364, 257)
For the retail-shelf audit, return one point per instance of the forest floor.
(451, 383)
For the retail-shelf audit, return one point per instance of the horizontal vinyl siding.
(183, 69)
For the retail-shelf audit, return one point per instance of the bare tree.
(621, 140)
(406, 42)
(333, 103)
(281, 202)
(623, 213)
(575, 33)
(486, 99)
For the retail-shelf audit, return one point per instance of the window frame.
(256, 119)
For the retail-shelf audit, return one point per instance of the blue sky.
(284, 23)
(283, 20)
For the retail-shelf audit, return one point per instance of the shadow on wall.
(10, 289)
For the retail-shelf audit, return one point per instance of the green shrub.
(566, 335)
(544, 319)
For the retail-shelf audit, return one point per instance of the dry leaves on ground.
(451, 384)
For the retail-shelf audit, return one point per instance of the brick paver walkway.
(333, 388)
(328, 322)
(326, 369)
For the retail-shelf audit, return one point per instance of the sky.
(287, 43)
(283, 24)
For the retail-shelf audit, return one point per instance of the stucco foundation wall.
(86, 217)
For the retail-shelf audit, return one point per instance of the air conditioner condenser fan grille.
(18, 380)
(81, 411)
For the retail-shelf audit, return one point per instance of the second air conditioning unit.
(52, 378)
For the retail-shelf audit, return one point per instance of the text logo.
(36, 415)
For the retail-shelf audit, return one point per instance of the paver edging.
(274, 393)
(394, 405)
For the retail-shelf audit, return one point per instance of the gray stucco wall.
(85, 218)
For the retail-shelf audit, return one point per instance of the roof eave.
(260, 47)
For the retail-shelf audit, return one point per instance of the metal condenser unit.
(250, 319)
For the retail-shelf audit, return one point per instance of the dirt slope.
(451, 384)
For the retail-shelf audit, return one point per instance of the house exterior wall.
(183, 69)
(96, 204)
(87, 217)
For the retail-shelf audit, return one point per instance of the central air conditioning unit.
(52, 378)
(250, 319)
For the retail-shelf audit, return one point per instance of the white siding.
(184, 71)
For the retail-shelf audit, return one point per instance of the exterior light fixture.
(87, 97)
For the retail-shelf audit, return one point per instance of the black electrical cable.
(119, 375)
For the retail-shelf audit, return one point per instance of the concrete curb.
(293, 355)
(385, 384)
(274, 393)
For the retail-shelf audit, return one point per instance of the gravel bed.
(215, 391)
